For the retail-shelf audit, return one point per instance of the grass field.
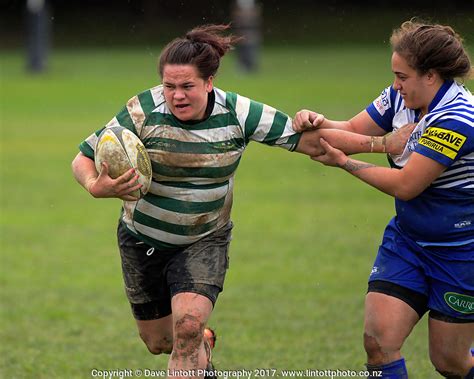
(304, 239)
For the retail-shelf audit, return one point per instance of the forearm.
(84, 171)
(341, 125)
(353, 143)
(348, 142)
(387, 180)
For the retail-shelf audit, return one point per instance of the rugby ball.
(122, 150)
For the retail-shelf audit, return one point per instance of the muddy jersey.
(193, 164)
(443, 214)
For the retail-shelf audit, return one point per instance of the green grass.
(304, 240)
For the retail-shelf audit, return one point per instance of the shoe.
(209, 344)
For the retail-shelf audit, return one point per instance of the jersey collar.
(437, 99)
(440, 94)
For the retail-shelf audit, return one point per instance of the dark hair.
(203, 47)
(431, 46)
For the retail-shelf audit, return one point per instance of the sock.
(393, 370)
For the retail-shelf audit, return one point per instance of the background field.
(304, 238)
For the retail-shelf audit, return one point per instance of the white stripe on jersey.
(450, 175)
(191, 160)
(113, 122)
(242, 109)
(464, 182)
(192, 180)
(219, 109)
(173, 217)
(189, 194)
(157, 95)
(135, 111)
(221, 97)
(193, 135)
(266, 121)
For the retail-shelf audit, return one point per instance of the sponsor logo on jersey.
(382, 103)
(375, 270)
(462, 224)
(460, 303)
(444, 141)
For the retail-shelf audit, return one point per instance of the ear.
(432, 76)
(209, 84)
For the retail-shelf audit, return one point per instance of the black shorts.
(152, 277)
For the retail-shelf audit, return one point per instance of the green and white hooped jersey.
(193, 165)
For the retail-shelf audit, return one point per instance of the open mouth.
(181, 106)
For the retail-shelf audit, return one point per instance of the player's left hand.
(307, 120)
(331, 156)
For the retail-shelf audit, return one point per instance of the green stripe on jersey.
(183, 230)
(253, 119)
(278, 126)
(213, 122)
(175, 146)
(195, 186)
(231, 100)
(188, 207)
(294, 140)
(85, 148)
(126, 121)
(195, 172)
(146, 101)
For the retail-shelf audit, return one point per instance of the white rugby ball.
(122, 150)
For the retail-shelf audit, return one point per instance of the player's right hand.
(307, 120)
(105, 187)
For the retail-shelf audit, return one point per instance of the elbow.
(404, 197)
(406, 194)
(75, 162)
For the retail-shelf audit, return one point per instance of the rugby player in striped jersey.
(426, 260)
(174, 242)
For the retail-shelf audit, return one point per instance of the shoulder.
(231, 102)
(148, 100)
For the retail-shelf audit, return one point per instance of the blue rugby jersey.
(443, 214)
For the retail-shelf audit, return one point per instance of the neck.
(431, 94)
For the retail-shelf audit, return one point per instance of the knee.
(449, 364)
(157, 346)
(381, 348)
(373, 348)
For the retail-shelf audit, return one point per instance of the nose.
(178, 94)
(396, 85)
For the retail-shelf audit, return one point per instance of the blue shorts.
(443, 275)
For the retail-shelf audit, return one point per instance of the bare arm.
(361, 123)
(404, 184)
(102, 185)
(353, 143)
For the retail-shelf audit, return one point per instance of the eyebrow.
(181, 84)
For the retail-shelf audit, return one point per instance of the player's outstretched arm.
(102, 185)
(361, 123)
(404, 184)
(353, 143)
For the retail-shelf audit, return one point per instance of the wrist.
(88, 186)
(342, 162)
(378, 144)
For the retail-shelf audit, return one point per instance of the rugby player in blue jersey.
(174, 242)
(426, 259)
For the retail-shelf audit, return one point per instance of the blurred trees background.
(103, 23)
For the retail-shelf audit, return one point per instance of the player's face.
(185, 92)
(413, 87)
